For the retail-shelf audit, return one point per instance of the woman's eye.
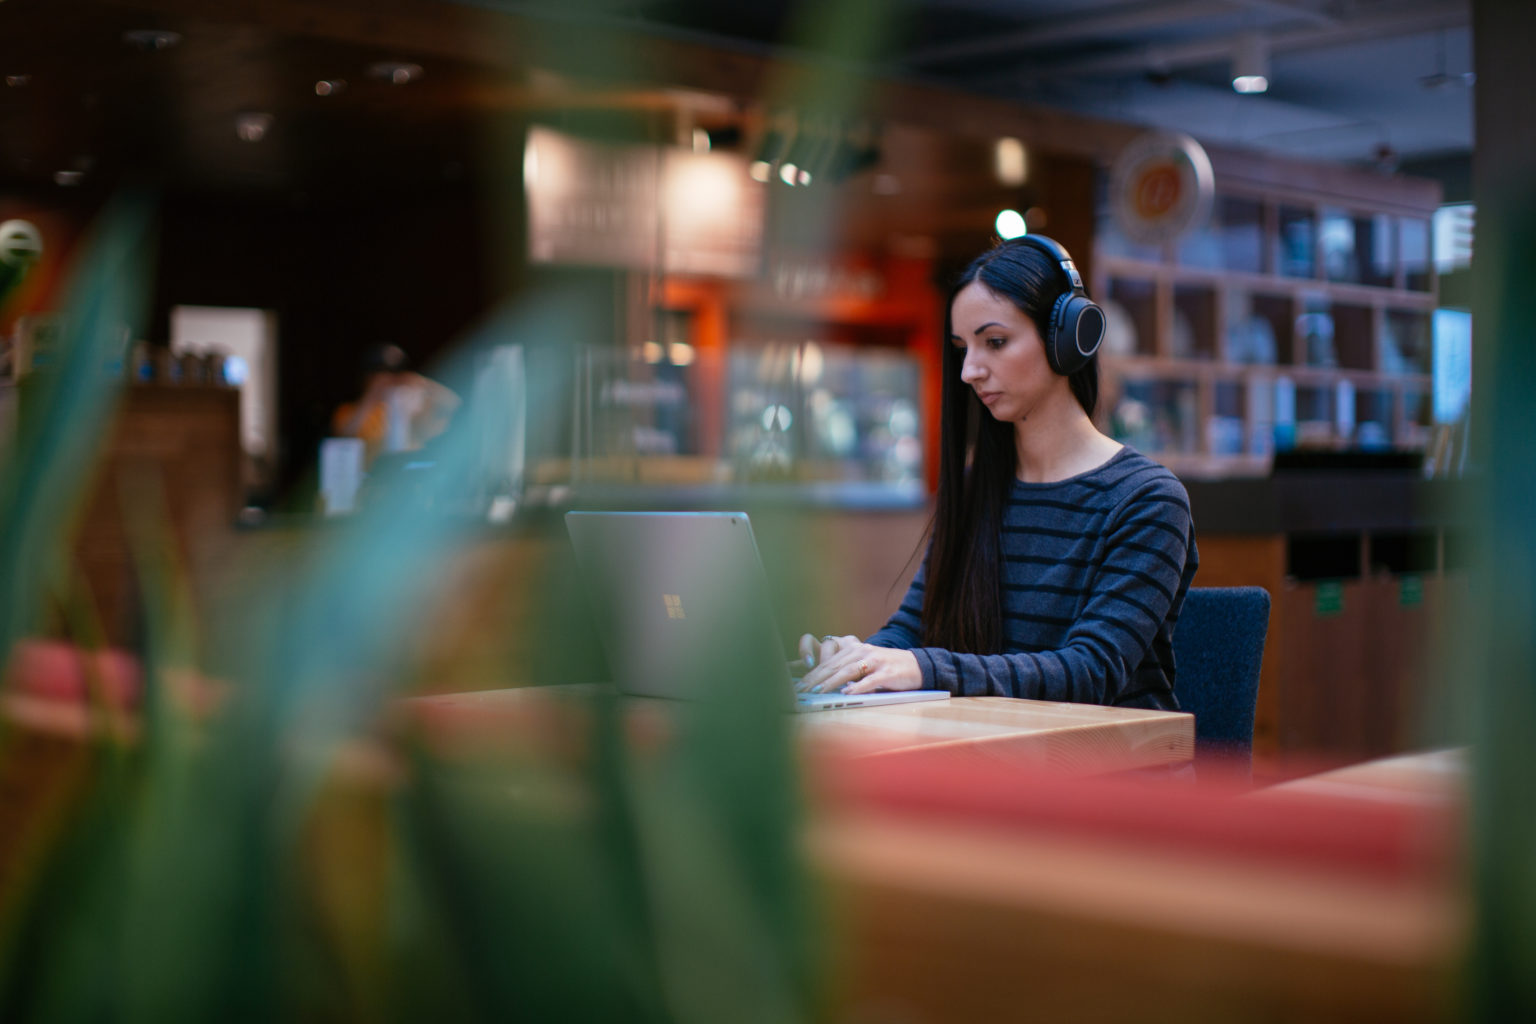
(996, 342)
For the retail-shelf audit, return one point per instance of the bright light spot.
(788, 173)
(1010, 224)
(701, 192)
(1250, 83)
(1009, 161)
(804, 177)
(700, 140)
(760, 170)
(903, 421)
(812, 362)
(777, 417)
(681, 353)
(530, 163)
(235, 371)
(329, 86)
(253, 127)
(651, 351)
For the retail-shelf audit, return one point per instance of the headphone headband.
(1077, 323)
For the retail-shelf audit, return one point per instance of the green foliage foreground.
(232, 865)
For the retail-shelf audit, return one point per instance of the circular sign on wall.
(1161, 187)
(21, 244)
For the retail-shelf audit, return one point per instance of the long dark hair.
(962, 603)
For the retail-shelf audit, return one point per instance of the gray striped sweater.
(1095, 571)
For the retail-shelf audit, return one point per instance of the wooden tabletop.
(1070, 737)
(1431, 776)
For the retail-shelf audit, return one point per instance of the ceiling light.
(1010, 224)
(253, 126)
(151, 38)
(68, 179)
(788, 173)
(1009, 161)
(330, 86)
(396, 72)
(1250, 64)
(761, 170)
(1440, 79)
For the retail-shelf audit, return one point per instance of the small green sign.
(1330, 599)
(1410, 591)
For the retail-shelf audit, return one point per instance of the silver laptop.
(681, 603)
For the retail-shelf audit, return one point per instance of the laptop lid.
(680, 601)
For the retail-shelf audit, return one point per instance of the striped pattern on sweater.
(1095, 571)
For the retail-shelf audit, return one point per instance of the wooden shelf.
(1350, 361)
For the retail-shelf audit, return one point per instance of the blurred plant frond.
(274, 840)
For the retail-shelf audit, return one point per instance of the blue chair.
(1218, 644)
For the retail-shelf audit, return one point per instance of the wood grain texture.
(1076, 738)
(1070, 737)
(951, 925)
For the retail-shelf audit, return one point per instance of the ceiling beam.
(1118, 22)
(1419, 18)
(1289, 9)
(1111, 25)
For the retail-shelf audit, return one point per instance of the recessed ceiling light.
(397, 72)
(253, 126)
(68, 178)
(1250, 64)
(151, 38)
(330, 86)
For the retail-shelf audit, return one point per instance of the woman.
(1059, 560)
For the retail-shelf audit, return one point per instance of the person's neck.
(1059, 441)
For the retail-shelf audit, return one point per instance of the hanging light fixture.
(1250, 64)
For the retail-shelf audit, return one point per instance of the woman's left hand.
(861, 668)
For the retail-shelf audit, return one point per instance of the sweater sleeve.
(905, 628)
(1130, 594)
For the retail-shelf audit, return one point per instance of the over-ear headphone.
(1077, 322)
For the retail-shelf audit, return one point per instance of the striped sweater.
(1096, 567)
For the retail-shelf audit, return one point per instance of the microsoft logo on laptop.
(674, 606)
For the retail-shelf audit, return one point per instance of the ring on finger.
(863, 669)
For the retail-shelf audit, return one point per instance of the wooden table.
(1431, 776)
(1070, 737)
(1079, 738)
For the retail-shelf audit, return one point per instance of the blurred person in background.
(1057, 558)
(399, 409)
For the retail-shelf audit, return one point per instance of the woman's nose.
(971, 370)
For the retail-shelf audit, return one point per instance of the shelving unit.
(1296, 317)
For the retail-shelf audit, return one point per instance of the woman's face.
(1005, 360)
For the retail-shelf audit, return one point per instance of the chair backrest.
(1218, 644)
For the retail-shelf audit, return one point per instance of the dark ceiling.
(83, 102)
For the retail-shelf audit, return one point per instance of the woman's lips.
(988, 397)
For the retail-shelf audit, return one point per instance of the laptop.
(682, 607)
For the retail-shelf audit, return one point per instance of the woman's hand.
(847, 665)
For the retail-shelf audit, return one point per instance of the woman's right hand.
(815, 650)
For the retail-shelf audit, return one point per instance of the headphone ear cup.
(1059, 348)
(1077, 329)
